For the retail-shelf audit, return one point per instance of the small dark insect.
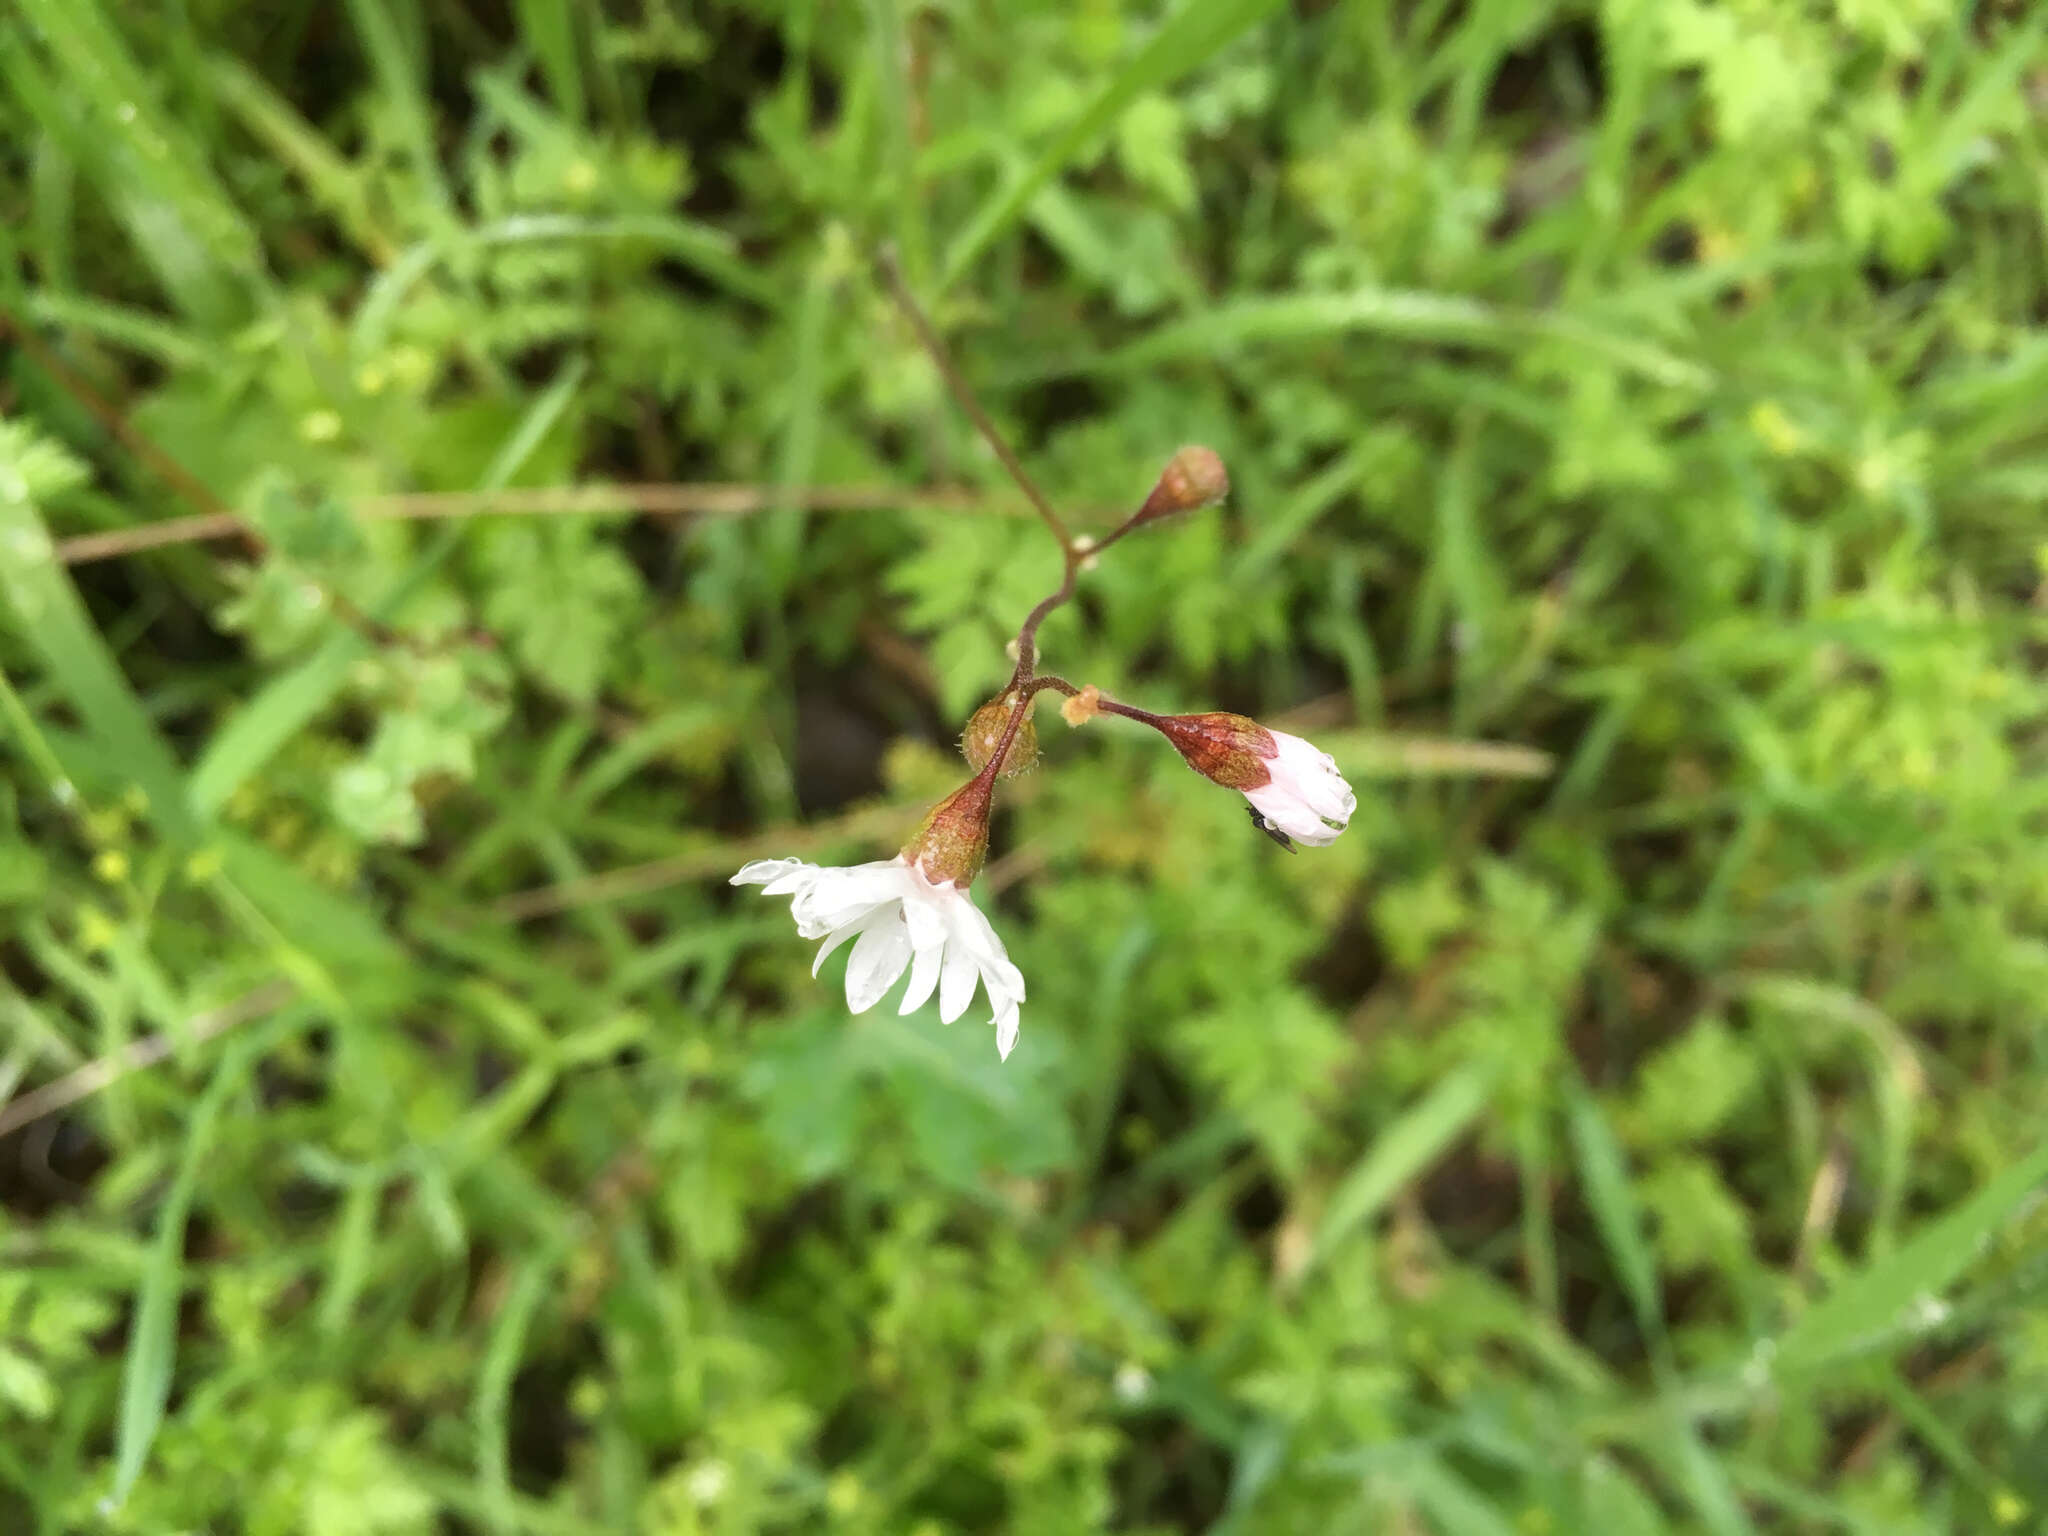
(1270, 830)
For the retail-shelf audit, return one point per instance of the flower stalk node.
(1079, 708)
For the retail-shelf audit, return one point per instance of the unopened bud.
(984, 734)
(1227, 749)
(1294, 789)
(952, 840)
(1193, 478)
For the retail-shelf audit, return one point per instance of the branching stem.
(1024, 682)
(963, 392)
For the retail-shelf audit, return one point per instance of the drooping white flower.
(1304, 795)
(899, 919)
(1293, 785)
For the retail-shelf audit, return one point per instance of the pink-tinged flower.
(1292, 785)
(899, 919)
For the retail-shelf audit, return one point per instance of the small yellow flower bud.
(1082, 707)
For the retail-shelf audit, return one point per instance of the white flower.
(900, 920)
(1304, 795)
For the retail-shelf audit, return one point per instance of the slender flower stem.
(1057, 684)
(1027, 636)
(994, 765)
(963, 394)
(1193, 477)
(1031, 688)
(1025, 692)
(1072, 553)
(1132, 712)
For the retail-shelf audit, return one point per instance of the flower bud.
(952, 841)
(984, 734)
(1193, 478)
(1223, 748)
(1294, 788)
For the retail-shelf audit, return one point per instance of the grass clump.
(1632, 1124)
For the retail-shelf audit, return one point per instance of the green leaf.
(290, 703)
(1272, 1059)
(1400, 1153)
(153, 1336)
(564, 598)
(48, 615)
(25, 1386)
(1604, 1169)
(1902, 1292)
(1195, 33)
(1692, 1085)
(490, 1411)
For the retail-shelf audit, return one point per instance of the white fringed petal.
(899, 920)
(878, 958)
(956, 982)
(927, 954)
(772, 873)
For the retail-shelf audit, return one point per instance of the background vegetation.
(1632, 1125)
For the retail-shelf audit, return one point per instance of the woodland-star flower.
(899, 918)
(1292, 784)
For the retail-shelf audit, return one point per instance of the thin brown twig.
(964, 396)
(181, 480)
(118, 427)
(658, 874)
(1182, 486)
(95, 1075)
(707, 499)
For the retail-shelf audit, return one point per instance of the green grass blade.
(1195, 32)
(272, 121)
(1402, 314)
(1605, 1172)
(49, 615)
(889, 48)
(491, 1411)
(257, 731)
(1903, 1291)
(104, 107)
(549, 27)
(1402, 1151)
(1700, 1473)
(145, 335)
(1454, 1506)
(153, 1337)
(401, 79)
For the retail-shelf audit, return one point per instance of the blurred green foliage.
(1649, 1145)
